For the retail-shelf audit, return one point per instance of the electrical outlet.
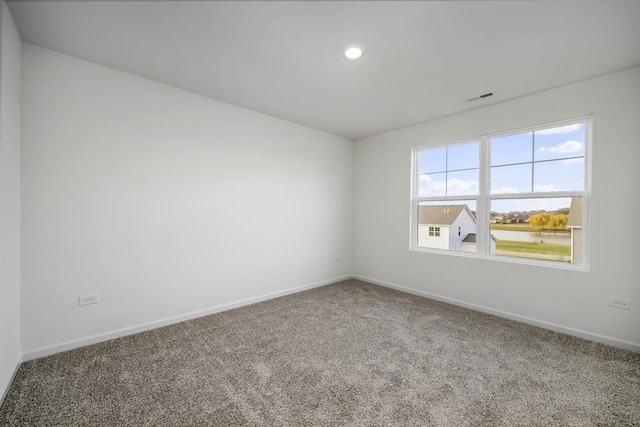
(338, 259)
(620, 303)
(89, 299)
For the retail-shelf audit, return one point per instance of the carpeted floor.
(351, 353)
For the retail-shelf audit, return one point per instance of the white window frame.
(483, 199)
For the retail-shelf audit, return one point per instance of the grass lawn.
(514, 227)
(534, 247)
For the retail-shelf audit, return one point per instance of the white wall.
(563, 299)
(9, 202)
(165, 202)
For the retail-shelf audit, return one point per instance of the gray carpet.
(351, 353)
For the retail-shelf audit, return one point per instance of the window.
(512, 196)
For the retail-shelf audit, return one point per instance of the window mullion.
(446, 173)
(533, 150)
(483, 204)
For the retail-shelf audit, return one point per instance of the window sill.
(505, 259)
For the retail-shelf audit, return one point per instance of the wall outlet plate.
(89, 299)
(620, 303)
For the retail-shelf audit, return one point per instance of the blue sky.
(553, 161)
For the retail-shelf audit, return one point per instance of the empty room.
(314, 213)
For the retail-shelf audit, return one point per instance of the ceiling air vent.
(475, 98)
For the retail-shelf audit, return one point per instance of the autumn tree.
(546, 221)
(558, 221)
(539, 221)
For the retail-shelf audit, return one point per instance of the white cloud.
(504, 190)
(429, 187)
(455, 187)
(546, 188)
(458, 187)
(570, 146)
(560, 129)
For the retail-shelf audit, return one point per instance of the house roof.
(439, 214)
(575, 213)
(471, 238)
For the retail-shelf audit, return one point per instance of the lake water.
(529, 236)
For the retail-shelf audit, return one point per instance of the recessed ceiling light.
(353, 52)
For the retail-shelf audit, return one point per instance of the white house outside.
(451, 227)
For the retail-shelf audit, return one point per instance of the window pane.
(432, 185)
(449, 225)
(560, 142)
(432, 160)
(462, 182)
(463, 156)
(539, 228)
(512, 149)
(559, 175)
(511, 179)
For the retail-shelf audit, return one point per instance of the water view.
(556, 237)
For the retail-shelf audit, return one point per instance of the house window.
(517, 196)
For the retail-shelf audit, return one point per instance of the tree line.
(547, 221)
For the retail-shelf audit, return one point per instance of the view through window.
(529, 205)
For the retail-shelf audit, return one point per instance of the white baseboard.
(93, 339)
(614, 342)
(4, 388)
(69, 345)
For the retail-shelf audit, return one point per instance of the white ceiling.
(285, 58)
